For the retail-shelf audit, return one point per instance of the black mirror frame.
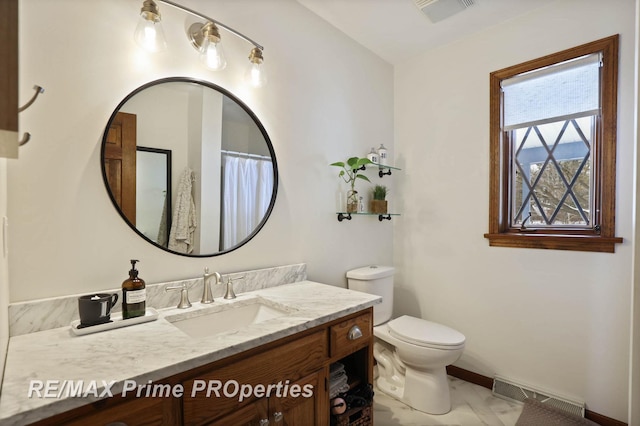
(245, 108)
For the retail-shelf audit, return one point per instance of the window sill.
(593, 243)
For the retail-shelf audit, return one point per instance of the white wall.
(4, 270)
(558, 320)
(318, 107)
(634, 385)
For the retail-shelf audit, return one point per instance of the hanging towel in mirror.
(184, 221)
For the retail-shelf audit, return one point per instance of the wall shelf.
(382, 167)
(347, 216)
(383, 170)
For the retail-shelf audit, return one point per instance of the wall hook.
(38, 90)
(27, 136)
(25, 139)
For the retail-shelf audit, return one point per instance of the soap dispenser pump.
(134, 294)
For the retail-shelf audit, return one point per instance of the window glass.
(549, 114)
(552, 178)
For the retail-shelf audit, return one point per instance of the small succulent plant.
(380, 192)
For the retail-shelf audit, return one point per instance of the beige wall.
(557, 320)
(327, 98)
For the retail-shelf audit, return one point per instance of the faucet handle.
(184, 295)
(230, 293)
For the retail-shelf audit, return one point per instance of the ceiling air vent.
(437, 10)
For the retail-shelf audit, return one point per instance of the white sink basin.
(228, 317)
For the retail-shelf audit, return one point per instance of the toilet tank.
(376, 280)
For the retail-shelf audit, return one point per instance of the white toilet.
(411, 353)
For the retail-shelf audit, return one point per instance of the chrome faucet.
(207, 297)
(184, 295)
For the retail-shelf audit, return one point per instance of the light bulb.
(212, 55)
(255, 75)
(149, 33)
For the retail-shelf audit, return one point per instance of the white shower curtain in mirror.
(247, 186)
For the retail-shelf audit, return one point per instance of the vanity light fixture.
(205, 37)
(255, 74)
(149, 33)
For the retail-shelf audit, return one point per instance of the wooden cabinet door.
(306, 408)
(249, 415)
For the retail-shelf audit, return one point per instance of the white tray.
(116, 322)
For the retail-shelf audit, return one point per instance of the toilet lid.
(424, 333)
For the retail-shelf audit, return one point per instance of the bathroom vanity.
(290, 354)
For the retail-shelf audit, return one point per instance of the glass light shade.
(255, 75)
(150, 35)
(212, 55)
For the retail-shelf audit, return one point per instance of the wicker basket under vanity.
(357, 416)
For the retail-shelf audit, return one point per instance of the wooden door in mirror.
(120, 163)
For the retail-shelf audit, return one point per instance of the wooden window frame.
(599, 238)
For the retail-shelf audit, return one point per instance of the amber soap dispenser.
(134, 294)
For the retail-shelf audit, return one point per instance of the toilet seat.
(425, 333)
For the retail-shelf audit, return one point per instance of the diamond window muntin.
(551, 174)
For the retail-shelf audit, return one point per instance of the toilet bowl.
(411, 353)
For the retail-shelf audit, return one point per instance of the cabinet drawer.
(351, 334)
(138, 411)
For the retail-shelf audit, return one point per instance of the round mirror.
(189, 167)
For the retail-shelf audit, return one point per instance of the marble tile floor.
(471, 405)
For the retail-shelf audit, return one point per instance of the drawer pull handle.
(277, 416)
(354, 333)
(264, 422)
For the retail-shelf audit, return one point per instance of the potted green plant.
(379, 202)
(349, 174)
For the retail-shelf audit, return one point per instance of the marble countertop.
(154, 350)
